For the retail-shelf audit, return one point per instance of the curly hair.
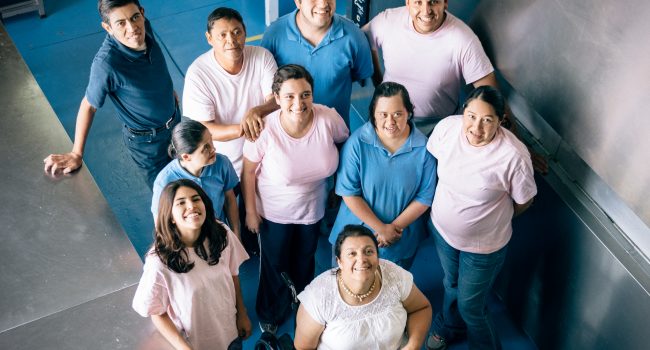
(167, 239)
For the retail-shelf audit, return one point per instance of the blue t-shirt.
(343, 56)
(215, 179)
(137, 82)
(387, 182)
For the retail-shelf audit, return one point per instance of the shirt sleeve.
(403, 281)
(522, 183)
(152, 295)
(373, 30)
(475, 63)
(339, 130)
(348, 179)
(270, 66)
(99, 83)
(311, 299)
(198, 103)
(362, 66)
(155, 198)
(237, 252)
(254, 151)
(428, 181)
(230, 175)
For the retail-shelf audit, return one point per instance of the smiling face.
(480, 123)
(391, 118)
(188, 214)
(295, 99)
(126, 25)
(227, 37)
(317, 14)
(427, 15)
(358, 259)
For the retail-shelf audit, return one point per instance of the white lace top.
(379, 324)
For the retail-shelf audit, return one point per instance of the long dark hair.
(167, 240)
(186, 137)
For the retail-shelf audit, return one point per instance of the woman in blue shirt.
(386, 176)
(196, 159)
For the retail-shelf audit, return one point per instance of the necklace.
(359, 297)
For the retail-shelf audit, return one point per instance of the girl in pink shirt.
(284, 186)
(190, 285)
(485, 179)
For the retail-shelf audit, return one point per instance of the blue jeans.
(468, 280)
(149, 152)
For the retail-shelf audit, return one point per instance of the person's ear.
(186, 157)
(107, 27)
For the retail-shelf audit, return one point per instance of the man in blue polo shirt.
(130, 69)
(332, 48)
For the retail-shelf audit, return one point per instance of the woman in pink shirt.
(190, 284)
(485, 178)
(284, 186)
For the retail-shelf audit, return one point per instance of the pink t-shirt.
(472, 208)
(292, 173)
(430, 66)
(201, 302)
(212, 94)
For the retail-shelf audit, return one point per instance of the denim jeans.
(149, 152)
(468, 281)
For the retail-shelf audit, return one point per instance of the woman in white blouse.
(366, 303)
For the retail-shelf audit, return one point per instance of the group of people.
(260, 146)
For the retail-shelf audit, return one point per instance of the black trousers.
(286, 248)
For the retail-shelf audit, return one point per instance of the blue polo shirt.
(215, 180)
(387, 182)
(137, 82)
(343, 56)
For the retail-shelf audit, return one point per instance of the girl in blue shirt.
(195, 158)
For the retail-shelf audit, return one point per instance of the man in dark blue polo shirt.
(130, 69)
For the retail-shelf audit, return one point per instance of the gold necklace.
(359, 297)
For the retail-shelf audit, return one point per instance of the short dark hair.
(288, 72)
(167, 240)
(105, 7)
(353, 231)
(186, 137)
(390, 89)
(224, 12)
(489, 95)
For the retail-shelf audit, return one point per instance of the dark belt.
(152, 131)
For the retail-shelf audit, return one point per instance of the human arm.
(244, 327)
(249, 183)
(253, 121)
(377, 75)
(308, 331)
(232, 212)
(520, 208)
(386, 233)
(223, 132)
(412, 212)
(71, 161)
(166, 327)
(418, 318)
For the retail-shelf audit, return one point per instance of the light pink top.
(212, 94)
(201, 302)
(430, 66)
(291, 186)
(472, 208)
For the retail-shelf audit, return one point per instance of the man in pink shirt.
(431, 52)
